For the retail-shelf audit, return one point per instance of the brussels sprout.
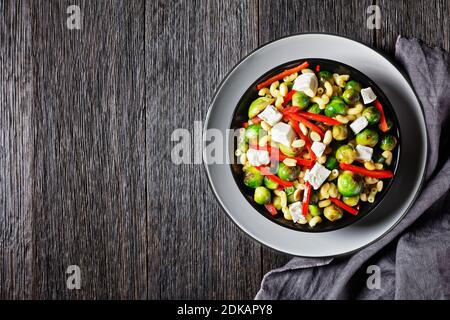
(300, 99)
(258, 105)
(355, 85)
(335, 106)
(351, 201)
(372, 115)
(270, 184)
(331, 163)
(277, 202)
(252, 132)
(314, 108)
(388, 142)
(351, 96)
(289, 84)
(340, 132)
(314, 210)
(377, 157)
(325, 76)
(346, 154)
(349, 184)
(242, 146)
(291, 198)
(314, 197)
(290, 152)
(335, 145)
(332, 212)
(389, 123)
(253, 178)
(287, 173)
(367, 137)
(289, 190)
(262, 195)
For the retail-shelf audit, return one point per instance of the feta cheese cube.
(307, 83)
(258, 157)
(296, 213)
(283, 133)
(368, 95)
(317, 175)
(363, 153)
(318, 148)
(359, 124)
(271, 115)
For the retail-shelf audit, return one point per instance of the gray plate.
(411, 163)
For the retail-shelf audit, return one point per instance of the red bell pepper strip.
(266, 172)
(318, 68)
(306, 197)
(342, 205)
(276, 154)
(291, 110)
(288, 97)
(383, 124)
(380, 174)
(281, 75)
(307, 123)
(271, 209)
(304, 138)
(256, 120)
(320, 118)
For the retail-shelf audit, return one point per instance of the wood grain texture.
(89, 202)
(342, 17)
(285, 17)
(424, 19)
(190, 46)
(16, 150)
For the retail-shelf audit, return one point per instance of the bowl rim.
(390, 61)
(370, 208)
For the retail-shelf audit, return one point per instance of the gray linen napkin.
(414, 258)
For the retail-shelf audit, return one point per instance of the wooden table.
(86, 118)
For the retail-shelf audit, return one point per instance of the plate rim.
(392, 62)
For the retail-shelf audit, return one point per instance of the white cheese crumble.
(317, 175)
(318, 148)
(258, 157)
(295, 210)
(271, 115)
(307, 83)
(359, 124)
(368, 95)
(363, 153)
(283, 133)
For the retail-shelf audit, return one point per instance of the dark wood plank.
(16, 150)
(190, 46)
(285, 17)
(342, 17)
(89, 186)
(424, 19)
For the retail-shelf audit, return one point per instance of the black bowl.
(240, 116)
